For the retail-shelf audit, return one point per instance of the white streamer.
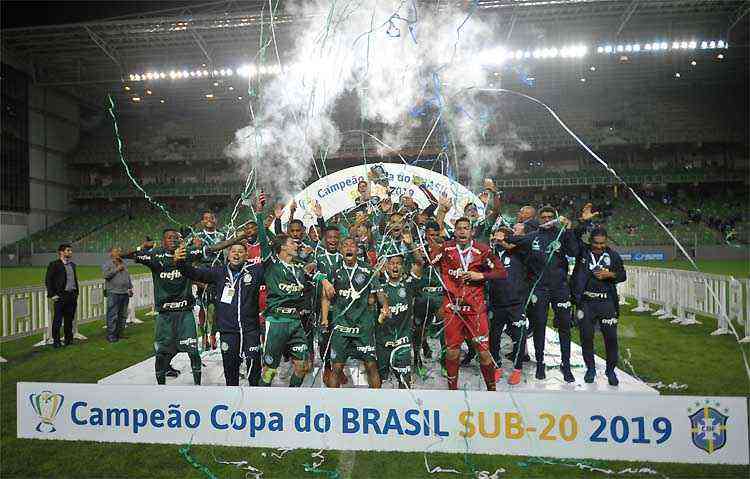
(632, 191)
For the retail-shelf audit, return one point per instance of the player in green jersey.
(206, 295)
(173, 299)
(393, 335)
(428, 320)
(328, 259)
(353, 310)
(288, 286)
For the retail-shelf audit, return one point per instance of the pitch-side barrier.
(680, 296)
(27, 310)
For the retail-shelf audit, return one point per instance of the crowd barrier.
(27, 310)
(680, 296)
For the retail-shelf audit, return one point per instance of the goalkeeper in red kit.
(465, 265)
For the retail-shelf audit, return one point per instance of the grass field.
(659, 351)
(13, 277)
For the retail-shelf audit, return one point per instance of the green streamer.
(118, 140)
(331, 474)
(185, 453)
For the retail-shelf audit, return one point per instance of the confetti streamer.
(185, 453)
(111, 109)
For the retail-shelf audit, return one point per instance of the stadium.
(408, 238)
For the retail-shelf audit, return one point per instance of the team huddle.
(375, 282)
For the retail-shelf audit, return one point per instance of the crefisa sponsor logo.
(46, 405)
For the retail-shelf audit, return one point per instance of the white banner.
(686, 429)
(337, 192)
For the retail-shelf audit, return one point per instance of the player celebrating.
(427, 307)
(327, 260)
(594, 288)
(464, 266)
(507, 300)
(353, 314)
(237, 285)
(393, 335)
(206, 294)
(288, 285)
(547, 250)
(173, 299)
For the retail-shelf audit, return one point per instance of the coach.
(62, 289)
(119, 288)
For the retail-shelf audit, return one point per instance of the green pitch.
(659, 351)
(13, 277)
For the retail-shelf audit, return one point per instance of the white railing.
(683, 295)
(679, 295)
(26, 310)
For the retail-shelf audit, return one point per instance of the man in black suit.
(62, 289)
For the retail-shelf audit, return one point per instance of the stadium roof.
(90, 58)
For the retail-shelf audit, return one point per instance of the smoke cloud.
(405, 65)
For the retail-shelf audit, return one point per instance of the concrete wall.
(54, 131)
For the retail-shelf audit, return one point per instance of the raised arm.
(318, 210)
(202, 275)
(445, 203)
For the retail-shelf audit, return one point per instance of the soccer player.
(547, 250)
(394, 239)
(507, 301)
(237, 285)
(173, 299)
(288, 284)
(597, 271)
(428, 319)
(465, 265)
(393, 335)
(352, 314)
(206, 294)
(327, 260)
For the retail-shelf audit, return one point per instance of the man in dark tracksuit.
(237, 287)
(507, 299)
(551, 280)
(594, 288)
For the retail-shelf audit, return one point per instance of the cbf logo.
(46, 405)
(708, 426)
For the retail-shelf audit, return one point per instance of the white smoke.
(397, 60)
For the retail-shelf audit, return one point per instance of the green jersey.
(350, 307)
(389, 246)
(307, 257)
(288, 290)
(396, 330)
(327, 262)
(430, 285)
(210, 238)
(172, 290)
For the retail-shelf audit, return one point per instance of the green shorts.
(356, 345)
(287, 336)
(175, 332)
(394, 356)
